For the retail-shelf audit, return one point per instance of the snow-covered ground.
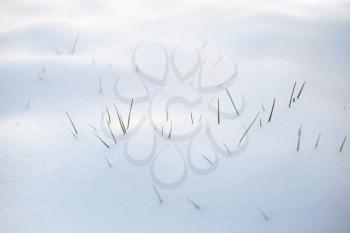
(81, 57)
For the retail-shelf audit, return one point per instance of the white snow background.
(51, 182)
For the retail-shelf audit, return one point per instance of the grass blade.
(72, 123)
(108, 162)
(231, 99)
(195, 205)
(291, 96)
(273, 106)
(264, 215)
(158, 195)
(120, 119)
(342, 145)
(101, 140)
(318, 140)
(131, 104)
(171, 128)
(299, 137)
(301, 89)
(218, 111)
(109, 116)
(28, 103)
(207, 159)
(111, 132)
(245, 133)
(100, 83)
(74, 45)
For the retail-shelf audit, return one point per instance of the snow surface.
(52, 182)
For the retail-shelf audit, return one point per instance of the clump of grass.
(272, 108)
(342, 145)
(108, 162)
(231, 99)
(160, 199)
(318, 140)
(291, 96)
(195, 205)
(299, 137)
(72, 123)
(245, 133)
(301, 89)
(264, 215)
(102, 141)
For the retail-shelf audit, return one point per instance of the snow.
(53, 56)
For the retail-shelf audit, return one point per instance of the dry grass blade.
(72, 123)
(171, 129)
(74, 135)
(28, 103)
(301, 89)
(120, 119)
(100, 84)
(318, 140)
(299, 137)
(191, 117)
(108, 162)
(218, 111)
(291, 95)
(93, 127)
(272, 108)
(264, 215)
(74, 45)
(111, 132)
(129, 116)
(228, 149)
(158, 195)
(195, 205)
(245, 133)
(101, 140)
(207, 159)
(231, 99)
(109, 116)
(342, 145)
